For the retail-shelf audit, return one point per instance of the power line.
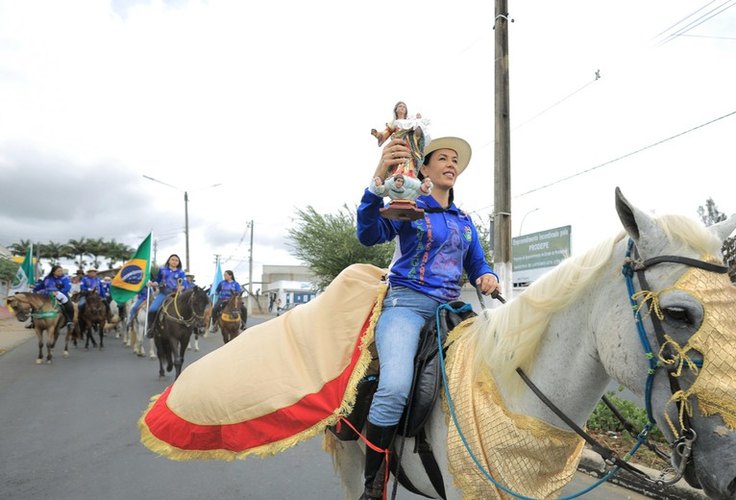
(700, 20)
(609, 162)
(597, 77)
(596, 167)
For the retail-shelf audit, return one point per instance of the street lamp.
(523, 218)
(186, 213)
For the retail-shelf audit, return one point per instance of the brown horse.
(92, 316)
(230, 318)
(180, 314)
(46, 318)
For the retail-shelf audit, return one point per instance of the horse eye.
(678, 314)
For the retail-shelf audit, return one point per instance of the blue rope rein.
(628, 272)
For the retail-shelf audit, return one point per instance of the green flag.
(24, 276)
(133, 276)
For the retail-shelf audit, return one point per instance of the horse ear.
(724, 228)
(641, 227)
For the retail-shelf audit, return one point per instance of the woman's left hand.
(488, 284)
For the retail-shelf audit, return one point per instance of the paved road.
(69, 432)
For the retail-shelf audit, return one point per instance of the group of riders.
(169, 279)
(57, 285)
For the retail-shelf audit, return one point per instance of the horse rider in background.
(170, 278)
(107, 295)
(90, 283)
(58, 285)
(225, 290)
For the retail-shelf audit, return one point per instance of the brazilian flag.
(133, 276)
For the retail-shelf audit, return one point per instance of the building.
(286, 285)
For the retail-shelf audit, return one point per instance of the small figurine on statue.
(401, 183)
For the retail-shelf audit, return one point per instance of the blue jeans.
(397, 340)
(136, 306)
(157, 301)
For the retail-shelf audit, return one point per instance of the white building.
(286, 285)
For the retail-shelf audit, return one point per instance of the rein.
(188, 322)
(684, 440)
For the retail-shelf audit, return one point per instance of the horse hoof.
(140, 354)
(196, 349)
(48, 361)
(66, 354)
(39, 361)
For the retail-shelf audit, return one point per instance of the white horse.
(572, 332)
(137, 334)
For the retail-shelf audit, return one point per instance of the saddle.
(427, 379)
(426, 389)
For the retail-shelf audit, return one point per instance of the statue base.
(404, 210)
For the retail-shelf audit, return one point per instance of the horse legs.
(69, 335)
(152, 346)
(161, 353)
(101, 330)
(39, 336)
(179, 355)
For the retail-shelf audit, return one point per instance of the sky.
(272, 104)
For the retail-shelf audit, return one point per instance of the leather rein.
(684, 441)
(188, 322)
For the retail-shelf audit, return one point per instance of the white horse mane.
(508, 337)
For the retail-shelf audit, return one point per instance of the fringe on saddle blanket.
(278, 384)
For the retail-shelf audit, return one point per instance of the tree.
(8, 269)
(328, 243)
(95, 249)
(20, 248)
(79, 248)
(711, 215)
(54, 251)
(117, 252)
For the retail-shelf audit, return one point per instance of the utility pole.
(155, 250)
(502, 160)
(250, 268)
(186, 227)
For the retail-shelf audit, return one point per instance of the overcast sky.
(275, 102)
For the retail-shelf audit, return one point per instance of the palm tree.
(79, 248)
(21, 247)
(55, 251)
(117, 252)
(96, 248)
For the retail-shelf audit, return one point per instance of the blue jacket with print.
(432, 251)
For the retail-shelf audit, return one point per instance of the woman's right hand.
(395, 153)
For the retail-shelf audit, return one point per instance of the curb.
(591, 463)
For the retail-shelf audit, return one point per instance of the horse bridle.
(683, 442)
(179, 318)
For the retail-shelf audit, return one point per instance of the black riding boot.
(68, 309)
(374, 461)
(151, 319)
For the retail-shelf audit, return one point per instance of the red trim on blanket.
(278, 425)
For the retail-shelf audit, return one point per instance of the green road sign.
(543, 249)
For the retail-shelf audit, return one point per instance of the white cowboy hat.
(460, 146)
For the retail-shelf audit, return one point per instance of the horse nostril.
(732, 488)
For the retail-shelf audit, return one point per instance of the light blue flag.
(215, 282)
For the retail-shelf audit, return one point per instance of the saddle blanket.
(276, 385)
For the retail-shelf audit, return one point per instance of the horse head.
(200, 300)
(19, 306)
(691, 326)
(572, 331)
